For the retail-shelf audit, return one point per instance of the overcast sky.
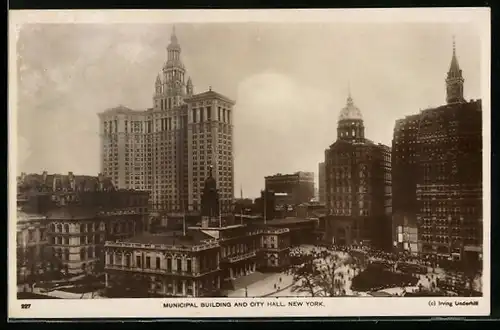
(289, 82)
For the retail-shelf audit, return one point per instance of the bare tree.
(319, 273)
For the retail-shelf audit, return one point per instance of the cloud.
(23, 151)
(279, 127)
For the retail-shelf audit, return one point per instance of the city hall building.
(168, 149)
(357, 184)
(437, 174)
(202, 260)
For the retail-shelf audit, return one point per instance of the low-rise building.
(405, 233)
(275, 249)
(165, 264)
(76, 235)
(31, 242)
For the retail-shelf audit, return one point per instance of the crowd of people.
(400, 269)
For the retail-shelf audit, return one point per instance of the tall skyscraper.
(169, 148)
(437, 173)
(358, 184)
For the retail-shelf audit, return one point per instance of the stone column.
(123, 259)
(231, 272)
(106, 279)
(184, 288)
(193, 287)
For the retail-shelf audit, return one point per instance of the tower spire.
(454, 79)
(349, 95)
(173, 37)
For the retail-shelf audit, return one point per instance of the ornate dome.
(350, 111)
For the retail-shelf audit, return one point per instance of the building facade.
(322, 182)
(358, 181)
(31, 242)
(291, 189)
(165, 265)
(442, 147)
(169, 148)
(76, 235)
(275, 249)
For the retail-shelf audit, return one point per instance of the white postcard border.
(256, 307)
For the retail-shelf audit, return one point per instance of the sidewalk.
(266, 287)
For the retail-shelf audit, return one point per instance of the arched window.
(52, 228)
(66, 254)
(82, 228)
(59, 228)
(91, 252)
(66, 228)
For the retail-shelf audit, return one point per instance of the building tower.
(437, 178)
(350, 124)
(168, 148)
(357, 184)
(454, 80)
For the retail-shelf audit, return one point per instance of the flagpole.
(220, 213)
(265, 206)
(183, 219)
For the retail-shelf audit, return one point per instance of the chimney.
(44, 176)
(54, 181)
(71, 179)
(100, 178)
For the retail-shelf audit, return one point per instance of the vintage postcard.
(254, 163)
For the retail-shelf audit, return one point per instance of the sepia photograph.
(235, 164)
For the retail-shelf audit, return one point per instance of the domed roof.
(350, 111)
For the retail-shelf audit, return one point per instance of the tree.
(319, 272)
(471, 268)
(91, 279)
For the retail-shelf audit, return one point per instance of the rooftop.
(289, 221)
(71, 212)
(25, 217)
(209, 94)
(170, 238)
(121, 109)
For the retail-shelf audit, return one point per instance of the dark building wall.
(299, 186)
(322, 182)
(404, 163)
(269, 199)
